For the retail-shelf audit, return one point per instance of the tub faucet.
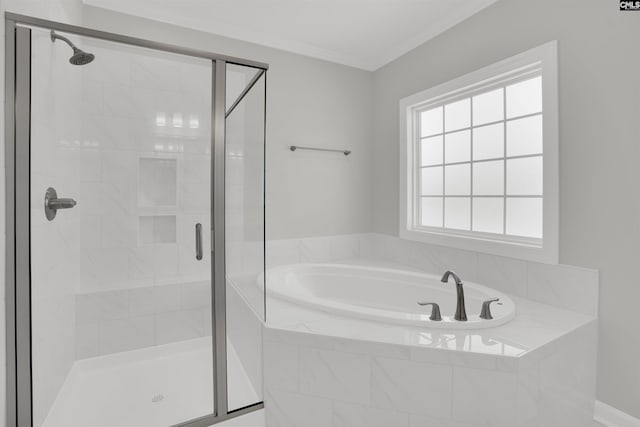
(461, 313)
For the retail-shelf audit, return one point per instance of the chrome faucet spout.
(461, 312)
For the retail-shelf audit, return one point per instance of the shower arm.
(55, 36)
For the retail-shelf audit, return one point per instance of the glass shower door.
(120, 183)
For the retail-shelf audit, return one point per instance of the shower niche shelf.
(158, 183)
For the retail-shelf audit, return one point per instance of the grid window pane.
(524, 176)
(457, 147)
(457, 115)
(488, 214)
(488, 107)
(488, 178)
(481, 163)
(524, 136)
(431, 122)
(431, 212)
(457, 213)
(524, 217)
(524, 97)
(431, 151)
(488, 142)
(432, 181)
(457, 180)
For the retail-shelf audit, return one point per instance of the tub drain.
(157, 398)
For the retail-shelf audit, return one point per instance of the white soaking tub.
(384, 295)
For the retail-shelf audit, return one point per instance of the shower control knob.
(52, 203)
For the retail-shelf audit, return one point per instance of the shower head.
(79, 57)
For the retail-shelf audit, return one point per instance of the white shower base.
(119, 390)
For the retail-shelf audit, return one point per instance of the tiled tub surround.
(429, 379)
(538, 370)
(572, 288)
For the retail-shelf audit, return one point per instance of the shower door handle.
(199, 241)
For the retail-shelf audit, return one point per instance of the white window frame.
(541, 60)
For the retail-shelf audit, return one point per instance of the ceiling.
(365, 34)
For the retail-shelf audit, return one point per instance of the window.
(479, 160)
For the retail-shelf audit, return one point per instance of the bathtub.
(384, 295)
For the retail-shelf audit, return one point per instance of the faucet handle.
(435, 311)
(485, 313)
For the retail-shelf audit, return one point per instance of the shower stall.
(135, 230)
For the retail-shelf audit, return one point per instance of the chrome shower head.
(79, 57)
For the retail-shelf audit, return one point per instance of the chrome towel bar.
(297, 147)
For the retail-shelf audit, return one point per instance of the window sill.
(543, 252)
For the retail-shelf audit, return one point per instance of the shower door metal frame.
(17, 169)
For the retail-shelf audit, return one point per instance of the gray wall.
(309, 102)
(599, 67)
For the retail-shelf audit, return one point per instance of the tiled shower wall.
(121, 320)
(145, 167)
(55, 249)
(144, 184)
(147, 151)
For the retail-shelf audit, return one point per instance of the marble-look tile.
(528, 396)
(287, 409)
(506, 275)
(90, 165)
(438, 259)
(369, 247)
(252, 256)
(118, 230)
(302, 335)
(166, 298)
(282, 252)
(465, 359)
(90, 231)
(484, 397)
(126, 334)
(87, 340)
(140, 264)
(568, 287)
(412, 387)
(195, 295)
(165, 260)
(568, 378)
(101, 306)
(179, 325)
(354, 415)
(344, 247)
(564, 286)
(281, 366)
(315, 250)
(336, 375)
(141, 301)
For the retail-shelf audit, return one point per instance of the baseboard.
(612, 417)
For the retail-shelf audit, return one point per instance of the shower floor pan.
(150, 387)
